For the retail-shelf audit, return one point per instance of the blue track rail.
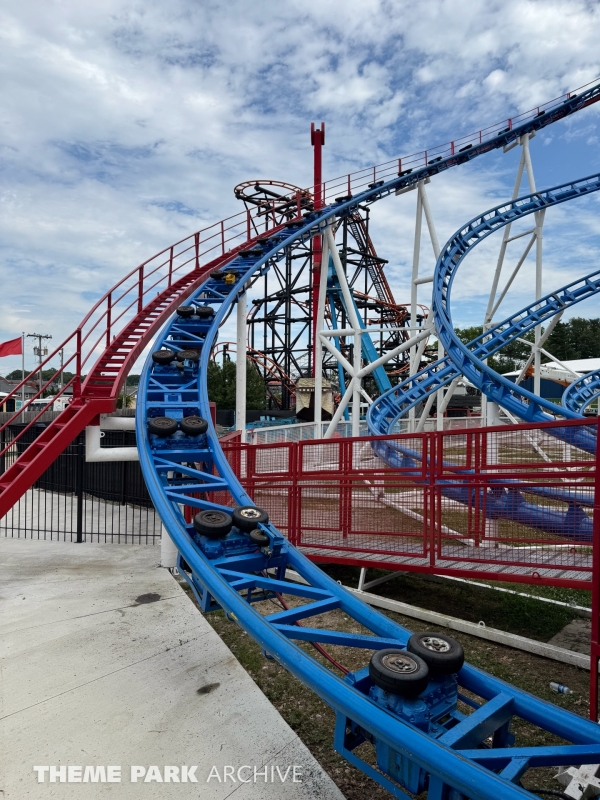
(470, 360)
(232, 573)
(578, 396)
(423, 743)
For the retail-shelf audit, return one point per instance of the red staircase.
(151, 293)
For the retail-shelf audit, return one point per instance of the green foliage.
(510, 358)
(221, 385)
(577, 338)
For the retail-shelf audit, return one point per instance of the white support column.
(536, 235)
(539, 222)
(413, 292)
(356, 393)
(240, 367)
(436, 252)
(168, 551)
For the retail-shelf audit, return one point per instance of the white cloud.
(125, 125)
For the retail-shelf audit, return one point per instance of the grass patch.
(313, 720)
(473, 603)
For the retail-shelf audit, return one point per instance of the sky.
(124, 127)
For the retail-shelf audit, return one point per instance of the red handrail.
(111, 308)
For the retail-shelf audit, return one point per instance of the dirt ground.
(313, 721)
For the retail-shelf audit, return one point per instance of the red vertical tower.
(317, 139)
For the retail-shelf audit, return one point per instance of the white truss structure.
(421, 329)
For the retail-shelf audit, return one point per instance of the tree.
(509, 358)
(577, 338)
(221, 380)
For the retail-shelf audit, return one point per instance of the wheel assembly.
(193, 426)
(246, 518)
(186, 311)
(399, 672)
(442, 654)
(204, 312)
(162, 426)
(189, 355)
(259, 538)
(213, 523)
(217, 274)
(163, 356)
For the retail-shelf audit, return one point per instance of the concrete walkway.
(106, 662)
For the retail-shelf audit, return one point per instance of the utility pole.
(40, 352)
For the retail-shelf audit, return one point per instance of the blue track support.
(232, 573)
(582, 392)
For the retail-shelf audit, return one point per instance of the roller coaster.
(415, 718)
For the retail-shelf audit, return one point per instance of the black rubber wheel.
(163, 356)
(189, 355)
(442, 654)
(162, 426)
(186, 311)
(259, 538)
(204, 312)
(399, 672)
(193, 426)
(234, 272)
(217, 274)
(246, 518)
(213, 524)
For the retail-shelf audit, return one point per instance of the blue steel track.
(442, 751)
(582, 392)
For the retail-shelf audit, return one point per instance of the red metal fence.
(513, 503)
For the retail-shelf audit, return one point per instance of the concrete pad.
(576, 636)
(106, 662)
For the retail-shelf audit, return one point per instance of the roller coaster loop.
(582, 392)
(233, 557)
(126, 318)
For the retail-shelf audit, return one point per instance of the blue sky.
(124, 126)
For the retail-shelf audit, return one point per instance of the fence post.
(108, 317)
(3, 456)
(346, 450)
(78, 365)
(595, 633)
(141, 288)
(435, 444)
(79, 485)
(293, 499)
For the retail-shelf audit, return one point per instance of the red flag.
(11, 348)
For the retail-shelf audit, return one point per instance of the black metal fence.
(79, 501)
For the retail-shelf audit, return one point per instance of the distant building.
(6, 388)
(554, 379)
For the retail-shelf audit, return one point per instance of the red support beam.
(317, 139)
